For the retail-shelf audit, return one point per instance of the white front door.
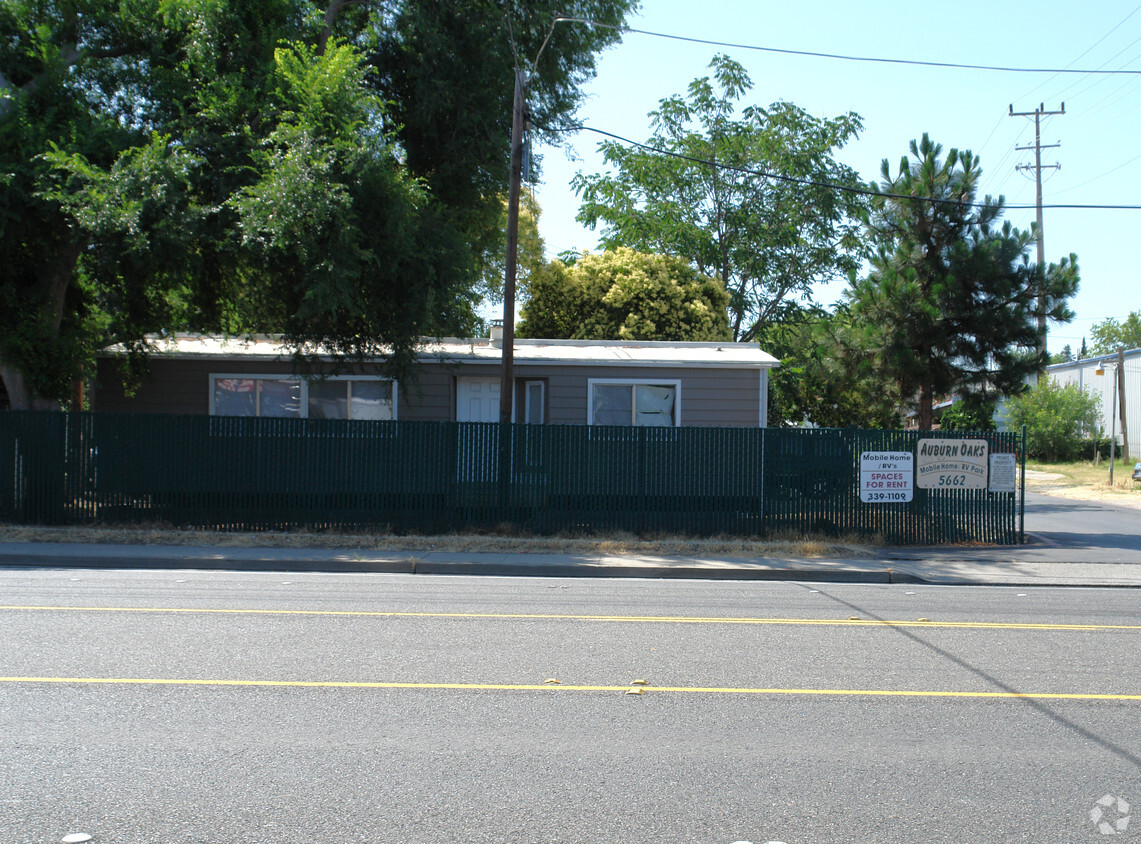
(477, 399)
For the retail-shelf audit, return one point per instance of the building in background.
(1085, 374)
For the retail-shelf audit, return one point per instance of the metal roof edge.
(1112, 356)
(435, 350)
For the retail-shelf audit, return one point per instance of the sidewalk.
(1039, 563)
(1069, 543)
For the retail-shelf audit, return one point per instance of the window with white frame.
(534, 402)
(351, 398)
(636, 403)
(332, 398)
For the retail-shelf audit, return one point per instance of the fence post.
(1022, 503)
(504, 469)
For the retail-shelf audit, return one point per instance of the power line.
(997, 123)
(1111, 98)
(998, 167)
(1102, 176)
(1093, 85)
(842, 57)
(1088, 49)
(780, 177)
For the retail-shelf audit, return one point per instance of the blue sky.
(1100, 152)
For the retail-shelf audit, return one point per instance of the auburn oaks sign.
(951, 464)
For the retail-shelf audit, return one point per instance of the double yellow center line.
(644, 619)
(536, 687)
(545, 687)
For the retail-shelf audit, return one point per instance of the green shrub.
(1057, 419)
(1074, 451)
(972, 413)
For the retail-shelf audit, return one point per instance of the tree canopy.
(624, 295)
(950, 304)
(530, 252)
(1057, 417)
(332, 174)
(1110, 335)
(818, 385)
(445, 68)
(1064, 356)
(746, 199)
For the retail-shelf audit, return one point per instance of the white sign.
(886, 477)
(1003, 473)
(951, 464)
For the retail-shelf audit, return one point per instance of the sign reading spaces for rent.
(951, 464)
(886, 477)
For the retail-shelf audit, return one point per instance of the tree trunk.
(926, 409)
(53, 278)
(20, 396)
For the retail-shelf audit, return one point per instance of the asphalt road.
(1096, 527)
(225, 707)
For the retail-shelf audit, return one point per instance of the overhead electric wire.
(999, 122)
(842, 57)
(1118, 93)
(1097, 82)
(1112, 98)
(1088, 49)
(780, 177)
(1009, 172)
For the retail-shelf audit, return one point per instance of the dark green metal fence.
(233, 473)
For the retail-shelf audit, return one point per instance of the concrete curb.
(666, 572)
(940, 567)
(214, 564)
(414, 565)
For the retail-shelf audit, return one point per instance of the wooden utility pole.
(1121, 402)
(515, 185)
(515, 179)
(1038, 114)
(507, 350)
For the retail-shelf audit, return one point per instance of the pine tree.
(950, 304)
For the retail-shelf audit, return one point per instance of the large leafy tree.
(125, 128)
(529, 253)
(446, 69)
(256, 165)
(358, 226)
(745, 198)
(1110, 335)
(624, 295)
(50, 320)
(950, 304)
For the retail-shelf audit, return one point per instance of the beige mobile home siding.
(727, 398)
(182, 386)
(170, 386)
(428, 397)
(710, 396)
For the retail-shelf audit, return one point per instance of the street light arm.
(543, 46)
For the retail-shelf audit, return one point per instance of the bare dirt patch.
(1086, 482)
